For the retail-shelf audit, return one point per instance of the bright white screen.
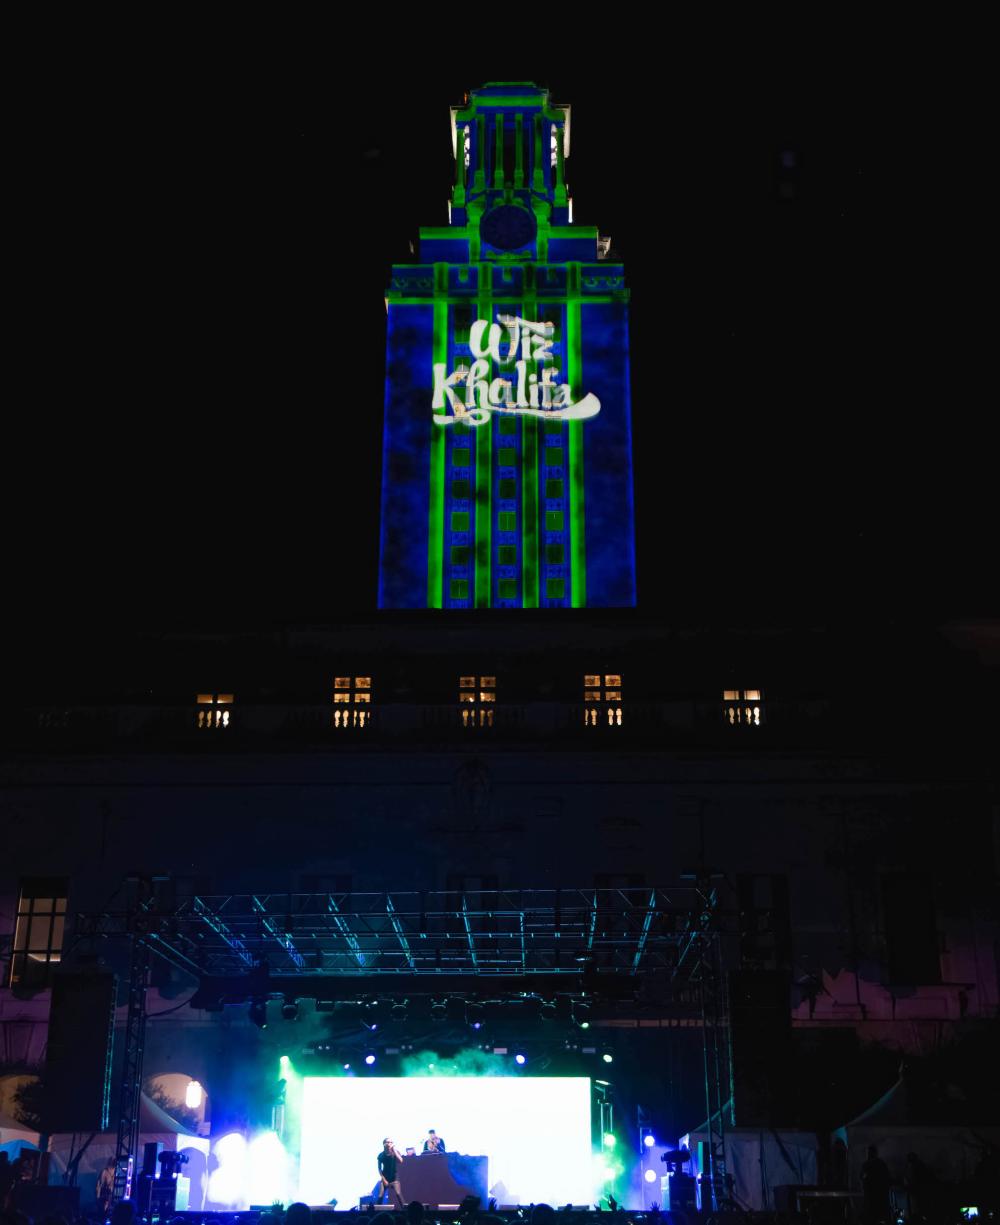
(535, 1130)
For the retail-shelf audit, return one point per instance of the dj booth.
(438, 1180)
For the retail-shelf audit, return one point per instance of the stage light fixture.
(547, 1012)
(290, 1009)
(519, 1059)
(399, 1012)
(456, 1012)
(439, 1010)
(258, 1013)
(347, 1067)
(609, 1140)
(649, 1140)
(650, 1176)
(608, 1057)
(369, 1059)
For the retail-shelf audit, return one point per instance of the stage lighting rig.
(258, 1013)
(676, 1159)
(171, 1162)
(290, 1009)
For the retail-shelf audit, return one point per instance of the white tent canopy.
(760, 1160)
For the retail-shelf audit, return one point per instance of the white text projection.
(511, 342)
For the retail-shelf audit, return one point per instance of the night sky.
(200, 436)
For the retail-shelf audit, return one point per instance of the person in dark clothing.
(123, 1213)
(433, 1143)
(875, 1184)
(298, 1214)
(389, 1162)
(6, 1179)
(105, 1188)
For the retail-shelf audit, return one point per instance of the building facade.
(509, 724)
(507, 467)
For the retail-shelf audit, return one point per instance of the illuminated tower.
(507, 463)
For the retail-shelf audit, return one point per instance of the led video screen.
(534, 1131)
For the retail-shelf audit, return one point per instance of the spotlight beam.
(282, 938)
(592, 927)
(468, 932)
(647, 925)
(397, 927)
(216, 924)
(349, 937)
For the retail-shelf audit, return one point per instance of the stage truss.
(550, 932)
(587, 943)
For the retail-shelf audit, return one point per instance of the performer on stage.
(105, 1187)
(388, 1162)
(433, 1143)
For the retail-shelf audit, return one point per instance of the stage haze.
(535, 1131)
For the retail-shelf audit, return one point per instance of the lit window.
(352, 696)
(476, 699)
(743, 707)
(602, 699)
(38, 932)
(214, 709)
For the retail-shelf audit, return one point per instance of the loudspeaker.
(761, 1025)
(150, 1157)
(78, 1057)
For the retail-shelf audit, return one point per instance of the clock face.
(508, 228)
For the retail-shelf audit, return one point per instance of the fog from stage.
(535, 1130)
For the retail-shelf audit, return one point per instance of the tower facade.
(507, 465)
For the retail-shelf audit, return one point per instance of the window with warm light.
(743, 707)
(39, 931)
(477, 697)
(352, 699)
(214, 709)
(602, 699)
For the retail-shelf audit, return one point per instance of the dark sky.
(200, 434)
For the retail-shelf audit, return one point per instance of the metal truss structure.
(586, 943)
(701, 963)
(379, 935)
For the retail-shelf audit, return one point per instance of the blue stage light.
(369, 1059)
(519, 1059)
(649, 1140)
